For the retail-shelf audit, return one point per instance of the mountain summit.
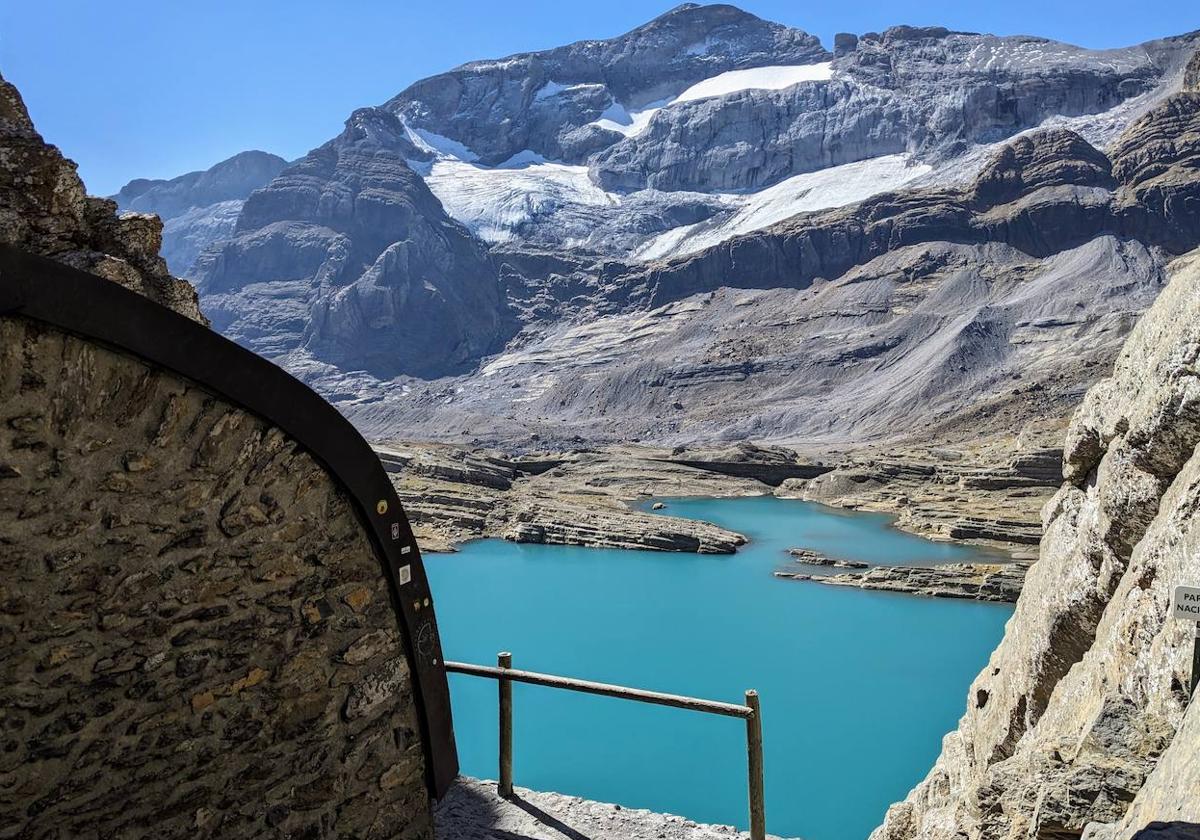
(712, 227)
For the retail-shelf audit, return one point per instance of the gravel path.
(473, 811)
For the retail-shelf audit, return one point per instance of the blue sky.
(147, 88)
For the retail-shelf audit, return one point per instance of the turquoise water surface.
(857, 688)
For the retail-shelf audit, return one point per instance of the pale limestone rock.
(1068, 721)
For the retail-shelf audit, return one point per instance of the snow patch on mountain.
(495, 203)
(429, 141)
(549, 89)
(833, 187)
(774, 77)
(632, 122)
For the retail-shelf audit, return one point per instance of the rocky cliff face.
(1081, 716)
(199, 208)
(925, 91)
(45, 209)
(379, 277)
(548, 102)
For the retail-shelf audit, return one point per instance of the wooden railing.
(506, 675)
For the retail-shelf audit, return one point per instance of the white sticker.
(405, 575)
(395, 530)
(406, 549)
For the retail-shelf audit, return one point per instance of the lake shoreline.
(713, 627)
(990, 498)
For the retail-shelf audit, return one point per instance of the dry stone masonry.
(197, 638)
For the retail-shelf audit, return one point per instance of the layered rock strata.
(1082, 716)
(583, 498)
(974, 581)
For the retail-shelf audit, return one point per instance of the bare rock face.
(228, 180)
(1067, 724)
(1191, 75)
(45, 209)
(1045, 192)
(1158, 161)
(925, 90)
(199, 208)
(546, 101)
(391, 285)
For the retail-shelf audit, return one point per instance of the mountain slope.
(687, 233)
(370, 272)
(199, 208)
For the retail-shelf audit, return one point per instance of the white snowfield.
(496, 202)
(631, 123)
(507, 201)
(833, 187)
(775, 77)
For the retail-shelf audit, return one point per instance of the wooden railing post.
(504, 661)
(754, 766)
(505, 675)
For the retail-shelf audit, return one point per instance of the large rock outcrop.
(1081, 716)
(199, 208)
(45, 209)
(379, 278)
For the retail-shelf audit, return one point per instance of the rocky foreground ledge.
(472, 810)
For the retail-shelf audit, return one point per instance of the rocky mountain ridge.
(548, 102)
(461, 260)
(199, 208)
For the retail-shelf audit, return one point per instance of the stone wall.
(196, 637)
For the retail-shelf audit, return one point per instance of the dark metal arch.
(100, 310)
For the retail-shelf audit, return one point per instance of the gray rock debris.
(473, 811)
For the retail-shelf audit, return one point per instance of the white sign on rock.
(1186, 603)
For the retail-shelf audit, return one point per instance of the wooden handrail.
(506, 675)
(679, 701)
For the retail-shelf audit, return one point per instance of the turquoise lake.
(857, 687)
